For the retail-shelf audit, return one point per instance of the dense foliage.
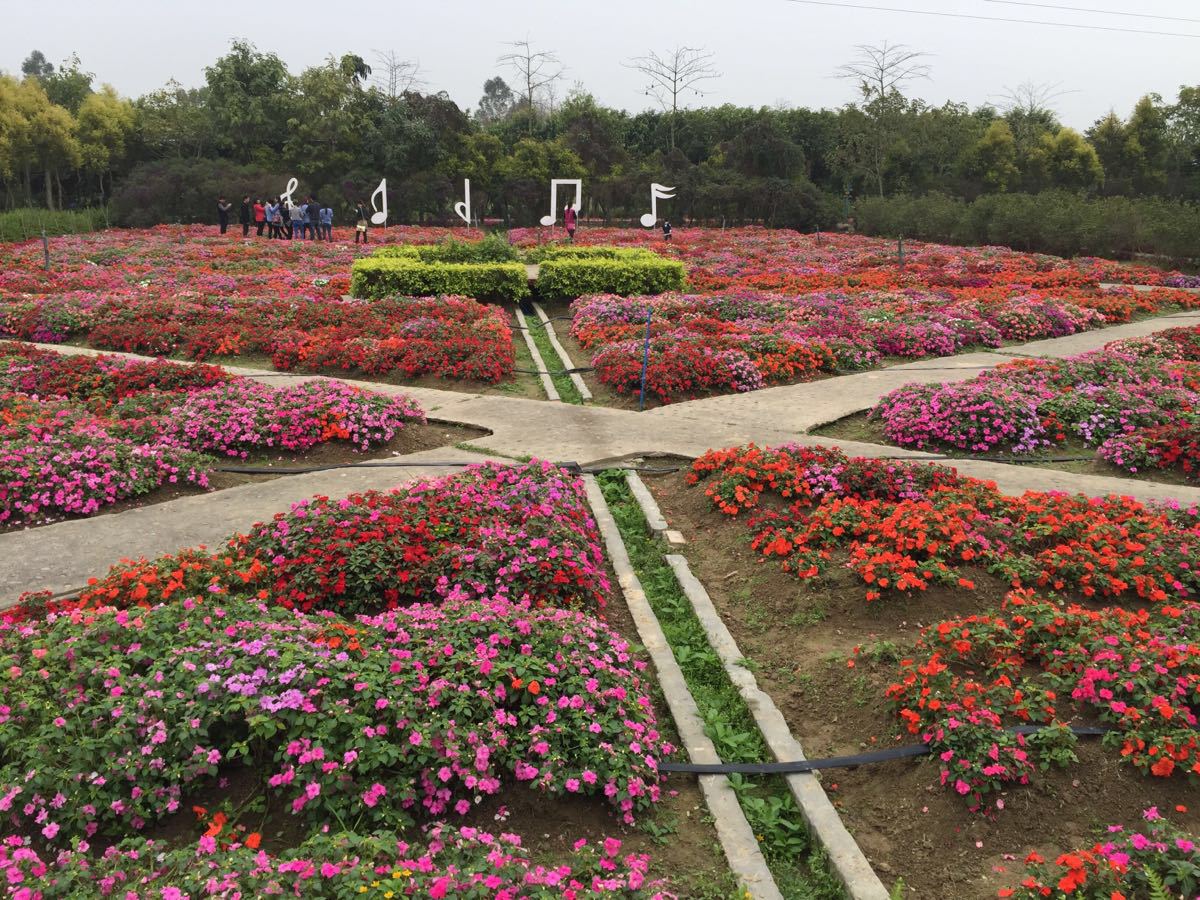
(168, 155)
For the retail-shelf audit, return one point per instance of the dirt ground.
(798, 636)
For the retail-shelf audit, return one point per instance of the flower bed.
(1137, 401)
(448, 862)
(1043, 662)
(904, 527)
(375, 737)
(80, 433)
(743, 341)
(984, 612)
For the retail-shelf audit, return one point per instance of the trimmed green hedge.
(405, 274)
(21, 224)
(569, 272)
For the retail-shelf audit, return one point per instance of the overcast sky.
(769, 52)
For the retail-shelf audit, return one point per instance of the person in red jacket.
(260, 217)
(569, 221)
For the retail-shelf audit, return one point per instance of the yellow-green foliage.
(569, 272)
(402, 274)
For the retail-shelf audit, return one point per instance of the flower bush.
(1151, 859)
(418, 712)
(1137, 672)
(448, 862)
(903, 527)
(81, 433)
(1139, 407)
(522, 533)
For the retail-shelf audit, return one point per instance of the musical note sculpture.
(657, 192)
(287, 195)
(554, 183)
(463, 207)
(378, 217)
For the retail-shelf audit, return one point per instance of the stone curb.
(846, 858)
(656, 521)
(576, 379)
(538, 362)
(734, 832)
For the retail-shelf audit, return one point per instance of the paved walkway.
(61, 557)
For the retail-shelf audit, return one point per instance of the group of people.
(281, 218)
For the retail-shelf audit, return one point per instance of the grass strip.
(796, 861)
(567, 391)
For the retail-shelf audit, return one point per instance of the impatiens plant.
(109, 720)
(970, 678)
(1137, 401)
(902, 527)
(447, 862)
(1152, 859)
(521, 532)
(81, 433)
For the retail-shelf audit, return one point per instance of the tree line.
(67, 142)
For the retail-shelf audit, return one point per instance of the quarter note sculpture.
(287, 195)
(463, 207)
(378, 217)
(657, 192)
(577, 205)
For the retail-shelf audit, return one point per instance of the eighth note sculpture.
(463, 207)
(286, 196)
(657, 192)
(577, 205)
(378, 217)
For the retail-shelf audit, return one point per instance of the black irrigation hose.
(835, 762)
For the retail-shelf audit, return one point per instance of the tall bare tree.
(395, 76)
(881, 71)
(672, 75)
(535, 70)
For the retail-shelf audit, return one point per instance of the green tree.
(50, 144)
(175, 121)
(1148, 141)
(250, 98)
(35, 65)
(496, 103)
(1066, 160)
(69, 86)
(994, 157)
(105, 122)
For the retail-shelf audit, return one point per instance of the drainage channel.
(737, 838)
(845, 857)
(797, 861)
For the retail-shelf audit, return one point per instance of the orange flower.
(534, 687)
(253, 839)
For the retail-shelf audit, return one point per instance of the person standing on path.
(666, 229)
(361, 220)
(223, 207)
(569, 221)
(260, 217)
(327, 223)
(244, 216)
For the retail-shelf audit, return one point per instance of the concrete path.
(61, 557)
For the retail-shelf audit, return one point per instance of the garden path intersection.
(60, 557)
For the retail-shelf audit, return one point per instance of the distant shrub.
(22, 224)
(569, 272)
(406, 274)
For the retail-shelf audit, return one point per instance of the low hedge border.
(569, 272)
(398, 273)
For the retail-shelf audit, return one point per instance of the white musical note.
(378, 217)
(463, 207)
(657, 192)
(287, 195)
(577, 205)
